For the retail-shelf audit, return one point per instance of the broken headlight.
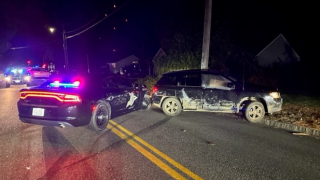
(275, 95)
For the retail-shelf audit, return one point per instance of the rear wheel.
(171, 106)
(254, 112)
(100, 117)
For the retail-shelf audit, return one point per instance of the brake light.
(62, 97)
(71, 98)
(154, 90)
(93, 108)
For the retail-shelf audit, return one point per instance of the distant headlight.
(7, 78)
(27, 78)
(275, 95)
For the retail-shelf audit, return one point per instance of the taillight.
(62, 97)
(94, 107)
(154, 90)
(71, 98)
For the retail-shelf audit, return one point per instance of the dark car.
(79, 100)
(211, 91)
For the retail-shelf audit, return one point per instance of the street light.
(51, 29)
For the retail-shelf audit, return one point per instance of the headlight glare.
(27, 78)
(275, 95)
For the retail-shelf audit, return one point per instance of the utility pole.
(206, 35)
(65, 49)
(88, 63)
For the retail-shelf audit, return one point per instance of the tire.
(7, 85)
(146, 103)
(171, 107)
(100, 117)
(254, 112)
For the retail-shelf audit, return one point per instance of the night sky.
(253, 26)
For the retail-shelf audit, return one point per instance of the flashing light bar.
(16, 70)
(58, 84)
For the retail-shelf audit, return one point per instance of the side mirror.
(231, 86)
(136, 85)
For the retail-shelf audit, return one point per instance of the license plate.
(37, 112)
(17, 81)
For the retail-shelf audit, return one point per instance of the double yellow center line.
(132, 140)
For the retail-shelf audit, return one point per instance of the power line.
(24, 47)
(71, 36)
(106, 16)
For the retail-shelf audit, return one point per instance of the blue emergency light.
(14, 71)
(67, 85)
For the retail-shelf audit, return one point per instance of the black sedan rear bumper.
(48, 122)
(63, 116)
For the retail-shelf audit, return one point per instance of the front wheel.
(100, 117)
(171, 106)
(146, 103)
(254, 112)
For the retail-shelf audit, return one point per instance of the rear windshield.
(38, 69)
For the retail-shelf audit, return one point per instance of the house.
(159, 54)
(278, 51)
(276, 64)
(116, 66)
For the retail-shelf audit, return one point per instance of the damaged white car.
(210, 91)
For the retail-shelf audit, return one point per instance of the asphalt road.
(150, 145)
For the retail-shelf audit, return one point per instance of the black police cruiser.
(79, 100)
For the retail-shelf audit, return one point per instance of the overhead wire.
(71, 36)
(106, 16)
(24, 47)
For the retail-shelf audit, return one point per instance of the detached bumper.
(274, 105)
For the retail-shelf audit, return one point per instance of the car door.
(189, 90)
(218, 93)
(119, 94)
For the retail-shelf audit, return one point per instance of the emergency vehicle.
(16, 75)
